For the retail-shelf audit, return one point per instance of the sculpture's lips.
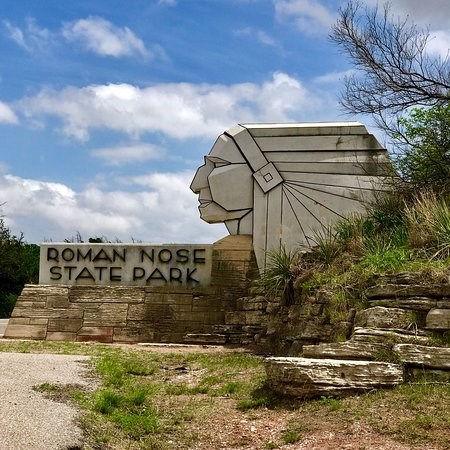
(204, 203)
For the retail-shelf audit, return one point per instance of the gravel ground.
(27, 419)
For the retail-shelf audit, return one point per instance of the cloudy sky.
(108, 106)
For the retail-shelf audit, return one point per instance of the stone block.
(97, 334)
(423, 356)
(27, 321)
(64, 325)
(57, 301)
(149, 312)
(381, 317)
(235, 318)
(108, 314)
(307, 378)
(205, 338)
(107, 294)
(61, 336)
(438, 319)
(25, 331)
(133, 333)
(47, 313)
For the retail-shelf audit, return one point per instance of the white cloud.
(128, 154)
(103, 38)
(309, 16)
(32, 38)
(178, 110)
(259, 35)
(433, 13)
(333, 77)
(439, 43)
(163, 211)
(7, 115)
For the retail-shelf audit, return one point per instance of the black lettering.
(114, 276)
(189, 278)
(56, 271)
(122, 256)
(175, 274)
(165, 259)
(70, 268)
(156, 275)
(182, 255)
(102, 256)
(87, 256)
(150, 257)
(85, 274)
(68, 254)
(199, 259)
(100, 270)
(52, 254)
(138, 273)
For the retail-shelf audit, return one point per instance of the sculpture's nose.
(200, 180)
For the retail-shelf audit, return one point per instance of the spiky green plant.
(277, 277)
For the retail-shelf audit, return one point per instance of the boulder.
(309, 378)
(438, 319)
(427, 357)
(381, 317)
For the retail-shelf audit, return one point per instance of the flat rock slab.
(27, 419)
(308, 378)
(392, 336)
(422, 356)
(344, 350)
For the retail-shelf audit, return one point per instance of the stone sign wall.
(152, 308)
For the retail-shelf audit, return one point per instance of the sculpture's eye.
(218, 162)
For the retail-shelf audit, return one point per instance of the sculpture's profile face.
(224, 184)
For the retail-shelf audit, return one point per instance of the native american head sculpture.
(281, 183)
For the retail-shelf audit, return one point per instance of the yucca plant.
(277, 277)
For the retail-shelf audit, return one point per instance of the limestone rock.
(438, 319)
(419, 355)
(412, 303)
(306, 378)
(343, 350)
(394, 335)
(380, 317)
(408, 290)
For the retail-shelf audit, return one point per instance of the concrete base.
(3, 324)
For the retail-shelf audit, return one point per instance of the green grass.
(171, 396)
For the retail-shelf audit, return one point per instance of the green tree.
(423, 159)
(19, 264)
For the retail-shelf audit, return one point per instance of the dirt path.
(27, 419)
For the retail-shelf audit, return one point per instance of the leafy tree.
(424, 141)
(393, 70)
(19, 264)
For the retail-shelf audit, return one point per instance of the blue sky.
(108, 106)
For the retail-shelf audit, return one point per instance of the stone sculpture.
(282, 183)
